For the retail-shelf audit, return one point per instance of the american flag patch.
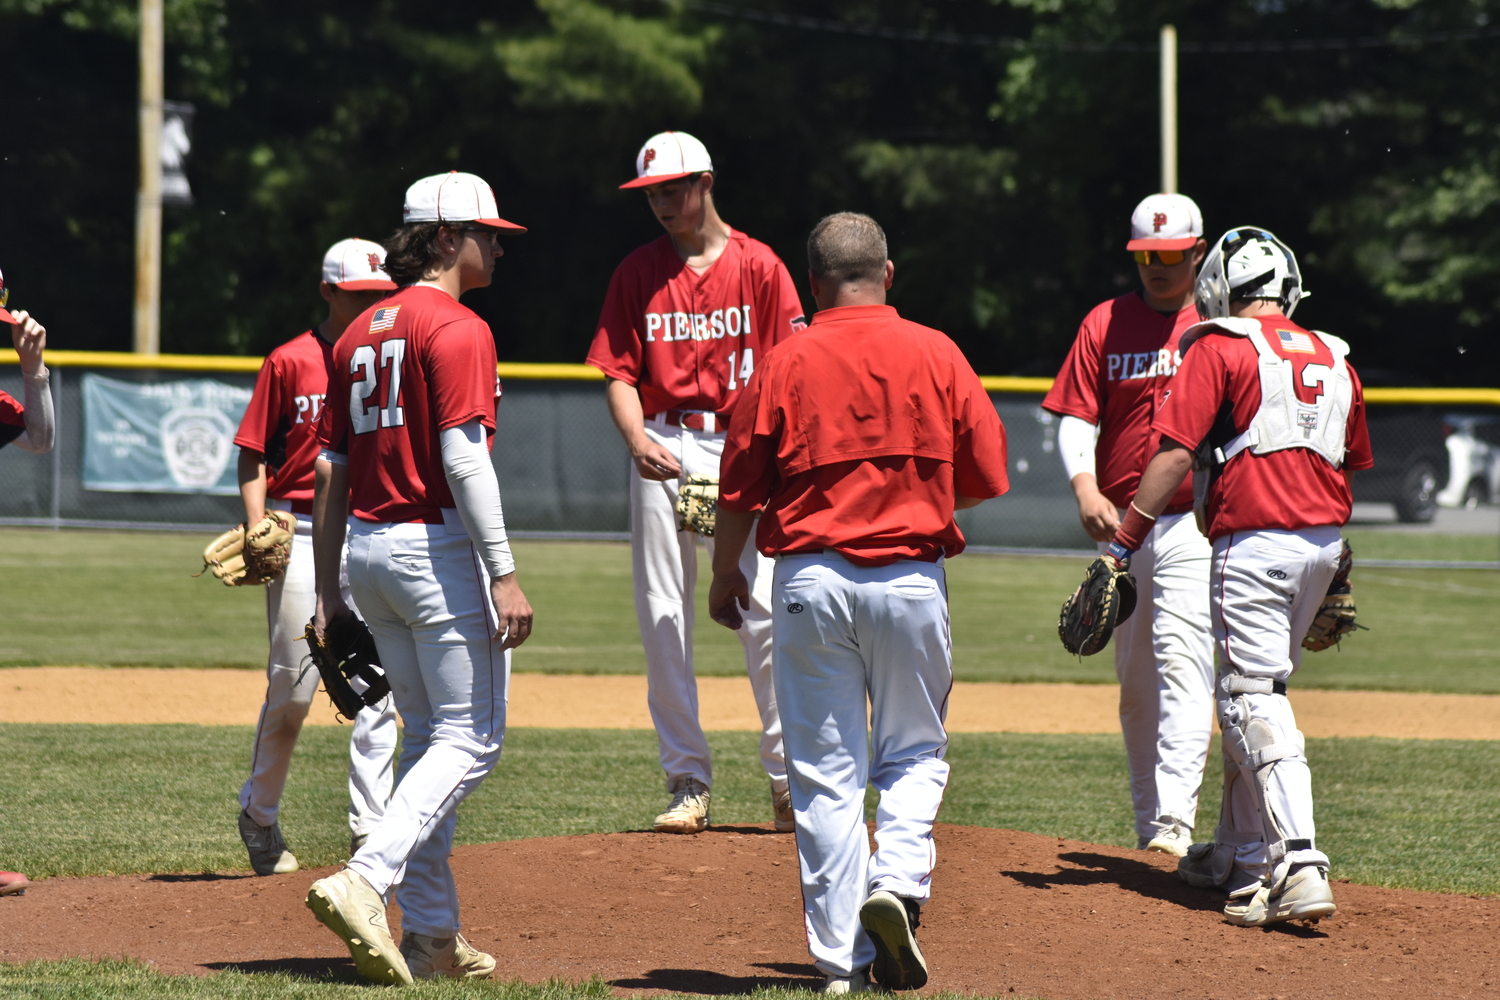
(385, 318)
(1291, 340)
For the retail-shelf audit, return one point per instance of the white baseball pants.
(291, 683)
(845, 633)
(665, 565)
(426, 598)
(1267, 587)
(1164, 660)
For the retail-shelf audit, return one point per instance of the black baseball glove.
(347, 650)
(1104, 600)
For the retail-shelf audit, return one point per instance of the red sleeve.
(748, 474)
(1075, 393)
(1188, 413)
(1357, 453)
(777, 297)
(460, 366)
(264, 411)
(11, 411)
(979, 452)
(333, 425)
(618, 349)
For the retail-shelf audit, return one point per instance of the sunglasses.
(1169, 257)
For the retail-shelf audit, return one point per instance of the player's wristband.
(1131, 534)
(1119, 553)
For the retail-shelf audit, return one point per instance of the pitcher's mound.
(721, 913)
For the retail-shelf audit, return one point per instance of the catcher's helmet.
(1248, 263)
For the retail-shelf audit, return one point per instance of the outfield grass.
(127, 598)
(1393, 543)
(97, 799)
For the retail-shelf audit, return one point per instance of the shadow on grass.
(323, 970)
(1127, 873)
(718, 984)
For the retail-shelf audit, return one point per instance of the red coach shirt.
(406, 369)
(857, 435)
(281, 421)
(1115, 376)
(12, 419)
(1291, 489)
(690, 341)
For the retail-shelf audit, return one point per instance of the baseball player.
(685, 321)
(406, 462)
(278, 440)
(859, 439)
(1118, 372)
(1276, 416)
(29, 426)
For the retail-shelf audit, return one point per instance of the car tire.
(1416, 502)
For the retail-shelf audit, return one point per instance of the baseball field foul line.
(233, 697)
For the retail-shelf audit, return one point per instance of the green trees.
(1003, 169)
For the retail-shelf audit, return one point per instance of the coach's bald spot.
(847, 247)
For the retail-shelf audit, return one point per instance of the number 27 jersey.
(406, 369)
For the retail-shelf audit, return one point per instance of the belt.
(694, 420)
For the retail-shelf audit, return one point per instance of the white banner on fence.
(169, 437)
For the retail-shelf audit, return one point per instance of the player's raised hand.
(653, 461)
(513, 610)
(29, 339)
(727, 596)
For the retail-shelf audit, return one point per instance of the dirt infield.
(721, 913)
(233, 697)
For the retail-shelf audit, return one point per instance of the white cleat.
(1174, 840)
(350, 907)
(430, 957)
(855, 982)
(1305, 895)
(688, 812)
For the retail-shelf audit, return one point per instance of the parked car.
(1411, 460)
(1473, 460)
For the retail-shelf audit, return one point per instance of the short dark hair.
(411, 252)
(847, 246)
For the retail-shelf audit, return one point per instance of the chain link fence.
(564, 470)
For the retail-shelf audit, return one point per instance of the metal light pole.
(148, 199)
(1169, 109)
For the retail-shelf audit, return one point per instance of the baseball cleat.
(1174, 840)
(268, 853)
(892, 922)
(688, 812)
(1206, 866)
(350, 907)
(854, 982)
(781, 809)
(14, 884)
(1305, 895)
(453, 957)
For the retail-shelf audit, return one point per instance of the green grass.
(126, 598)
(1410, 813)
(1397, 544)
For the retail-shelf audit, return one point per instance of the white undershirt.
(40, 428)
(1076, 440)
(476, 494)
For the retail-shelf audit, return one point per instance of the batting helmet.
(1248, 263)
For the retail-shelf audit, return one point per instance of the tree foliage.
(1004, 174)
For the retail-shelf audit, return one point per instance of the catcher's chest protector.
(1284, 419)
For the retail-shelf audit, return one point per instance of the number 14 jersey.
(408, 368)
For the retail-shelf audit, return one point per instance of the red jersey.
(281, 421)
(12, 419)
(857, 436)
(690, 341)
(1290, 489)
(1115, 377)
(408, 368)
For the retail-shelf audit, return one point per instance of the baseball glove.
(347, 651)
(1335, 618)
(1103, 601)
(698, 504)
(241, 557)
